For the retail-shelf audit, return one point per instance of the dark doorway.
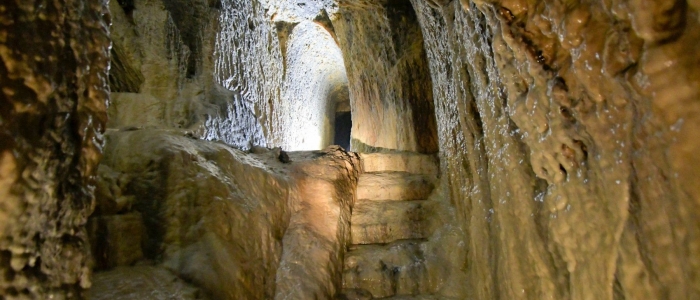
(343, 125)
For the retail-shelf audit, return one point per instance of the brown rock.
(117, 240)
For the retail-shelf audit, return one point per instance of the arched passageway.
(390, 87)
(343, 117)
(315, 79)
(394, 131)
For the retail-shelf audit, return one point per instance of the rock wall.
(248, 61)
(53, 71)
(389, 80)
(234, 71)
(565, 134)
(168, 71)
(238, 225)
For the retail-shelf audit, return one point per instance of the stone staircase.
(389, 228)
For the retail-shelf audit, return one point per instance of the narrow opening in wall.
(343, 125)
(342, 121)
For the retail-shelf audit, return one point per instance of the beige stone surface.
(391, 224)
(383, 222)
(117, 240)
(387, 270)
(238, 225)
(141, 282)
(566, 133)
(389, 80)
(314, 243)
(167, 71)
(560, 131)
(394, 186)
(408, 162)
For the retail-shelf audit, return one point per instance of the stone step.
(387, 270)
(394, 186)
(417, 297)
(414, 163)
(357, 294)
(140, 282)
(381, 222)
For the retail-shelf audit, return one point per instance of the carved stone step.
(394, 186)
(414, 163)
(380, 222)
(358, 294)
(140, 282)
(386, 270)
(417, 297)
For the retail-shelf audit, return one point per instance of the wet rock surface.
(54, 57)
(167, 71)
(566, 132)
(559, 137)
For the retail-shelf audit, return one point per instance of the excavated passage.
(564, 136)
(389, 225)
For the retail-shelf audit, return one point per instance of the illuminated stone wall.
(242, 72)
(314, 72)
(389, 81)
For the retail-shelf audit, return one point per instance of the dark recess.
(343, 126)
(127, 5)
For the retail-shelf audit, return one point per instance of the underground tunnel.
(349, 149)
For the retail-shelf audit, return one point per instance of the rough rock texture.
(53, 75)
(398, 234)
(399, 162)
(141, 282)
(261, 225)
(281, 58)
(248, 61)
(237, 225)
(116, 240)
(315, 81)
(387, 270)
(165, 72)
(319, 229)
(566, 133)
(243, 72)
(389, 80)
